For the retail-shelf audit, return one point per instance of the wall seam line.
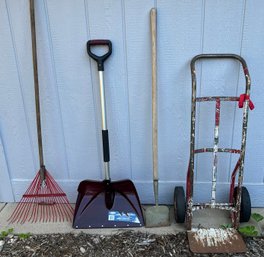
(53, 65)
(237, 85)
(20, 83)
(96, 124)
(124, 32)
(203, 9)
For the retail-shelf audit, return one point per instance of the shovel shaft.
(105, 139)
(102, 100)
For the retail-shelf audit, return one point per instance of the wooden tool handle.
(36, 83)
(153, 25)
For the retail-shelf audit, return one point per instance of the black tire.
(245, 208)
(179, 205)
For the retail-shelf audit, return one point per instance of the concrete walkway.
(205, 218)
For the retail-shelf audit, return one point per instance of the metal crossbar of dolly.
(239, 203)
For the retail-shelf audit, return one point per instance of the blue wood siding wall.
(70, 96)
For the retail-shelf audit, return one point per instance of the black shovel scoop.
(106, 204)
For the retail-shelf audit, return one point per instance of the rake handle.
(36, 86)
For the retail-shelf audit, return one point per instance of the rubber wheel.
(245, 209)
(179, 205)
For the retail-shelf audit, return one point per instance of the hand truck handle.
(99, 59)
(221, 56)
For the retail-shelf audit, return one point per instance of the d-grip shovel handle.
(100, 62)
(99, 59)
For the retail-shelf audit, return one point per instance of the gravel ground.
(126, 243)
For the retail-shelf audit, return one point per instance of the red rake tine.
(18, 213)
(36, 214)
(57, 194)
(61, 198)
(33, 213)
(31, 205)
(60, 212)
(13, 217)
(66, 208)
(25, 213)
(68, 211)
(53, 185)
(54, 213)
(49, 212)
(47, 209)
(43, 203)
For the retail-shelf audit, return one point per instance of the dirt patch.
(121, 244)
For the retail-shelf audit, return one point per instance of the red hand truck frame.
(184, 209)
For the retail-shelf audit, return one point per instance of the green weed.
(249, 230)
(5, 233)
(24, 235)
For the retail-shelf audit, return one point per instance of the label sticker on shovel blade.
(123, 217)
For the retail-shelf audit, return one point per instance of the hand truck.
(239, 200)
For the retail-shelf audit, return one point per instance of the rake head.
(44, 201)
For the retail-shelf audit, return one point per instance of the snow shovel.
(106, 204)
(157, 215)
